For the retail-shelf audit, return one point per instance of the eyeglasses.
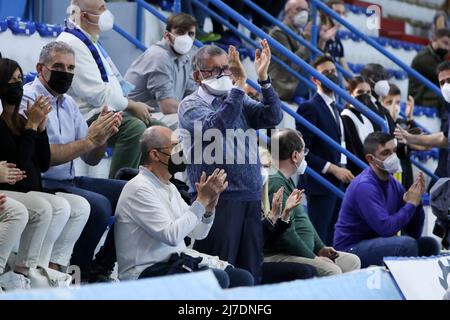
(306, 151)
(217, 72)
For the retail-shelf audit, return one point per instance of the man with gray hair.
(220, 105)
(70, 138)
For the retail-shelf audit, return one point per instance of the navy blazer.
(318, 114)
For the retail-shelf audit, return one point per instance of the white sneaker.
(10, 281)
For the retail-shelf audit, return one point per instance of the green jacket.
(426, 62)
(283, 82)
(301, 238)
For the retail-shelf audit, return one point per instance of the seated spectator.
(200, 15)
(392, 103)
(376, 207)
(13, 220)
(162, 75)
(441, 18)
(329, 41)
(425, 63)
(24, 142)
(153, 219)
(70, 138)
(275, 223)
(377, 77)
(98, 83)
(300, 242)
(296, 18)
(357, 126)
(322, 111)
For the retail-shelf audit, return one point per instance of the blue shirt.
(373, 208)
(65, 125)
(235, 111)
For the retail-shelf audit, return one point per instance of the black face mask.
(13, 93)
(60, 81)
(174, 167)
(333, 78)
(441, 52)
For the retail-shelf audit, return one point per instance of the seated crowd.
(246, 229)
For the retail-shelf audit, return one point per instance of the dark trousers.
(228, 278)
(275, 272)
(323, 212)
(372, 252)
(236, 236)
(102, 195)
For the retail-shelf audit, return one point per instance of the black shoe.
(99, 274)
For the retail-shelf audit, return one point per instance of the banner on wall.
(421, 278)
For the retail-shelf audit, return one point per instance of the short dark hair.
(443, 66)
(440, 33)
(375, 139)
(394, 90)
(182, 22)
(374, 72)
(288, 141)
(321, 60)
(354, 82)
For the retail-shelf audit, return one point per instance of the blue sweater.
(374, 208)
(236, 111)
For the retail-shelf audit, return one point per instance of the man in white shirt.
(152, 219)
(97, 82)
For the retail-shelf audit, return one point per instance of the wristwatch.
(265, 84)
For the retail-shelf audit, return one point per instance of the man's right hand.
(208, 189)
(342, 174)
(415, 192)
(106, 125)
(140, 110)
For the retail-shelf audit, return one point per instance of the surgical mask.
(301, 19)
(265, 175)
(13, 93)
(446, 92)
(391, 164)
(105, 20)
(302, 167)
(173, 167)
(60, 81)
(182, 44)
(218, 86)
(381, 88)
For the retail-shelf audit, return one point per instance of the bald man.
(296, 18)
(152, 219)
(98, 83)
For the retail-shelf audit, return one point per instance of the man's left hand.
(262, 60)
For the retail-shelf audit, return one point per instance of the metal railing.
(314, 50)
(323, 7)
(225, 9)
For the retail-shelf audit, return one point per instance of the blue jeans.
(372, 252)
(102, 195)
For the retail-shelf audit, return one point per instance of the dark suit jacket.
(317, 112)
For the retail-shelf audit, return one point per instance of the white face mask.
(446, 92)
(391, 164)
(301, 19)
(182, 44)
(105, 20)
(381, 88)
(302, 167)
(218, 87)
